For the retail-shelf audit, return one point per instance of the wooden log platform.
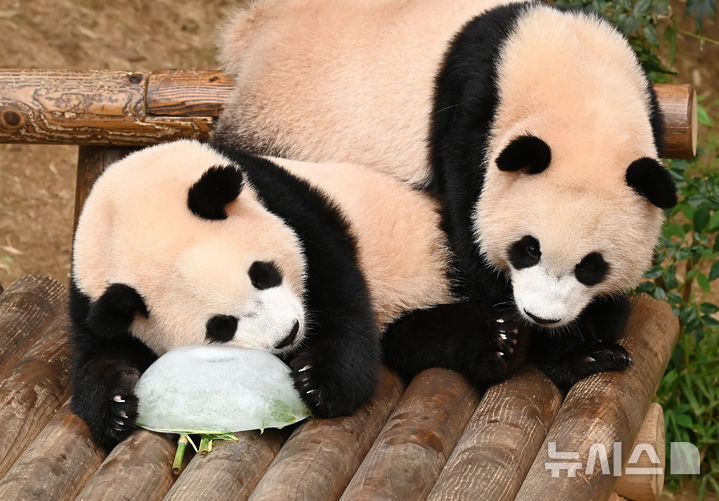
(435, 439)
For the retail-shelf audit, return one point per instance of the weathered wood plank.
(90, 107)
(501, 440)
(232, 467)
(27, 309)
(605, 409)
(187, 93)
(646, 486)
(679, 107)
(318, 460)
(56, 464)
(33, 391)
(416, 441)
(124, 108)
(140, 467)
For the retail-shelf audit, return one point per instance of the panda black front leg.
(336, 376)
(103, 382)
(486, 345)
(566, 360)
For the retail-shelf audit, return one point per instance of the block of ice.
(213, 389)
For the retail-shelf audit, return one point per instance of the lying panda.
(187, 243)
(535, 126)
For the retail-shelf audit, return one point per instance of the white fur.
(549, 297)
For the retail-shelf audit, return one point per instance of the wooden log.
(57, 463)
(89, 107)
(32, 392)
(413, 446)
(140, 467)
(125, 108)
(91, 162)
(646, 486)
(231, 467)
(603, 413)
(501, 440)
(318, 460)
(28, 308)
(187, 93)
(679, 107)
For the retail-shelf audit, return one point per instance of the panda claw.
(311, 392)
(500, 354)
(589, 359)
(305, 368)
(118, 399)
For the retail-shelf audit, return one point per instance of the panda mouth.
(290, 338)
(542, 321)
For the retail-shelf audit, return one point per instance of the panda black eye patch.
(264, 275)
(525, 252)
(592, 269)
(221, 328)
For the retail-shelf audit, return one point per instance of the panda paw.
(119, 411)
(592, 360)
(505, 344)
(328, 389)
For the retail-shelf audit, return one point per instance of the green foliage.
(685, 271)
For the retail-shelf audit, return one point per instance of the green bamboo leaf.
(708, 308)
(701, 217)
(683, 420)
(713, 222)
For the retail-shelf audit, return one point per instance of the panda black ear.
(112, 314)
(528, 152)
(651, 180)
(217, 187)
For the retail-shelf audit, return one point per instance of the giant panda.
(186, 243)
(535, 126)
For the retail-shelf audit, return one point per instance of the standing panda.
(535, 126)
(187, 243)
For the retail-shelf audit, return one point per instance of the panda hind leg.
(486, 345)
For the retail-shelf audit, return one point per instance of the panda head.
(568, 230)
(175, 247)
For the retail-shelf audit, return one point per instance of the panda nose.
(290, 337)
(540, 320)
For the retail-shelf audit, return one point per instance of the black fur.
(337, 367)
(217, 187)
(465, 104)
(592, 269)
(525, 252)
(111, 315)
(651, 180)
(525, 152)
(104, 372)
(221, 328)
(483, 344)
(264, 275)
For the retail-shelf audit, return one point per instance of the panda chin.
(547, 302)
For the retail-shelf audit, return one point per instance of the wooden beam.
(139, 467)
(321, 456)
(32, 392)
(501, 440)
(56, 464)
(28, 308)
(234, 467)
(131, 108)
(603, 410)
(416, 441)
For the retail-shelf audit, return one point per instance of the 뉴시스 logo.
(683, 460)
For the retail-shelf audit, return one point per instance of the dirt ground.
(37, 182)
